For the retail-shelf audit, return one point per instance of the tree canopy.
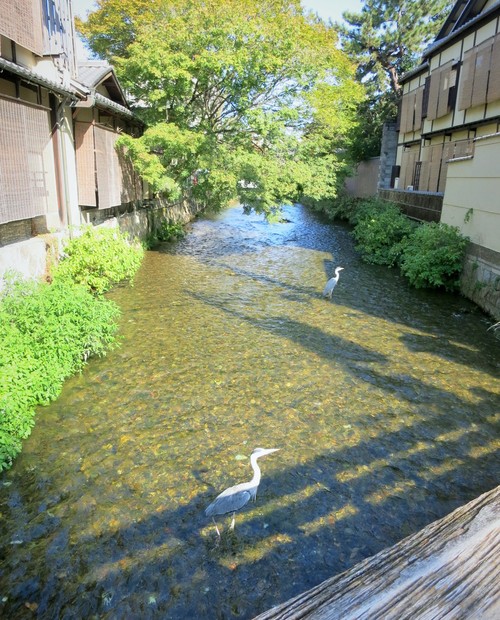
(247, 98)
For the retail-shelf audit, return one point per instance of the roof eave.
(35, 78)
(439, 43)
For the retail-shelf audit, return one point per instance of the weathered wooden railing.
(450, 569)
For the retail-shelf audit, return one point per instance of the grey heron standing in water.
(236, 497)
(332, 283)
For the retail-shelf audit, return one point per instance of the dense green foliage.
(170, 231)
(429, 255)
(433, 256)
(243, 99)
(388, 36)
(380, 229)
(99, 258)
(47, 331)
(343, 207)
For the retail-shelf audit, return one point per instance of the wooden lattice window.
(25, 178)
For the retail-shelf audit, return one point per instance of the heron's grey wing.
(230, 500)
(330, 285)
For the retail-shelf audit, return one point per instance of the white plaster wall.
(472, 196)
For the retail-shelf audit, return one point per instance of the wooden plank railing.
(450, 569)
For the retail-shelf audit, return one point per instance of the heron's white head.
(258, 452)
(338, 269)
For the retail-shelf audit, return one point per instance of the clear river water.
(384, 401)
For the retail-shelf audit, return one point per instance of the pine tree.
(388, 37)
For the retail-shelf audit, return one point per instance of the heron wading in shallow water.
(236, 497)
(332, 283)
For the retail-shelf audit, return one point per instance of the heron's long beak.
(269, 450)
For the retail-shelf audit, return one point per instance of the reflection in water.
(384, 401)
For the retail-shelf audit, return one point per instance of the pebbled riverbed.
(384, 401)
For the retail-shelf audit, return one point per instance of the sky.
(327, 9)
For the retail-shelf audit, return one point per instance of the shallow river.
(384, 402)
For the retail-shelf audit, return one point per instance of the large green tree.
(386, 39)
(247, 98)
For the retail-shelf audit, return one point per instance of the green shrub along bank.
(48, 331)
(170, 231)
(433, 256)
(429, 255)
(99, 258)
(379, 231)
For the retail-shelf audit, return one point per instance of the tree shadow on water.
(466, 353)
(315, 516)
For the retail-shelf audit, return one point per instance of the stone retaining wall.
(481, 279)
(24, 251)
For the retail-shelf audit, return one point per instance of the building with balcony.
(448, 157)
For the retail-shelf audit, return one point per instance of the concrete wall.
(363, 183)
(472, 203)
(388, 152)
(481, 279)
(472, 196)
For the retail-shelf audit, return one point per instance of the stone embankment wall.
(480, 280)
(27, 248)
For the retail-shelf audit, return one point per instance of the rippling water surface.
(384, 402)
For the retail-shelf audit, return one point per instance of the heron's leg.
(233, 520)
(216, 528)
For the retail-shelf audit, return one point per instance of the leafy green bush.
(99, 258)
(379, 229)
(433, 256)
(343, 207)
(169, 231)
(47, 332)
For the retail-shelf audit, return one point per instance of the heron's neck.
(256, 470)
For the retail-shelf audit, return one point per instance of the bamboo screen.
(109, 178)
(467, 80)
(481, 74)
(430, 168)
(21, 21)
(411, 110)
(494, 81)
(480, 78)
(131, 182)
(105, 178)
(85, 164)
(408, 160)
(24, 136)
(441, 81)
